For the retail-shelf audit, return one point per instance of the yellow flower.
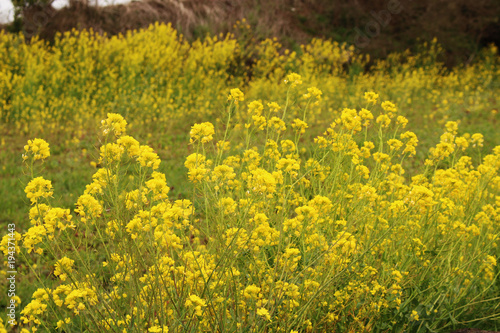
(395, 144)
(389, 107)
(313, 91)
(196, 303)
(294, 79)
(414, 316)
(196, 165)
(38, 147)
(350, 120)
(130, 144)
(148, 158)
(38, 188)
(194, 160)
(289, 166)
(114, 123)
(31, 310)
(202, 132)
(274, 107)
(251, 292)
(227, 204)
(223, 173)
(477, 140)
(363, 171)
(6, 243)
(402, 121)
(462, 142)
(88, 207)
(236, 95)
(411, 143)
(452, 127)
(397, 275)
(63, 267)
(57, 217)
(264, 313)
(255, 108)
(223, 145)
(111, 153)
(158, 186)
(384, 120)
(276, 124)
(299, 126)
(262, 182)
(366, 116)
(371, 97)
(34, 236)
(259, 122)
(157, 328)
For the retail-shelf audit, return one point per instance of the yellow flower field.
(316, 196)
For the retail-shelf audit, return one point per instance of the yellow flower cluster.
(63, 267)
(39, 148)
(114, 124)
(162, 92)
(236, 95)
(38, 189)
(281, 229)
(371, 97)
(202, 132)
(196, 303)
(293, 79)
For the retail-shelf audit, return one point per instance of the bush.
(280, 233)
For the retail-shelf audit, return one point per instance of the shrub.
(280, 233)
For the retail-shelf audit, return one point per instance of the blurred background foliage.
(377, 27)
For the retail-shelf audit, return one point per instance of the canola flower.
(276, 236)
(114, 123)
(38, 189)
(294, 80)
(63, 267)
(286, 228)
(39, 148)
(165, 82)
(202, 132)
(236, 95)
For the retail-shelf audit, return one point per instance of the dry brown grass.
(191, 17)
